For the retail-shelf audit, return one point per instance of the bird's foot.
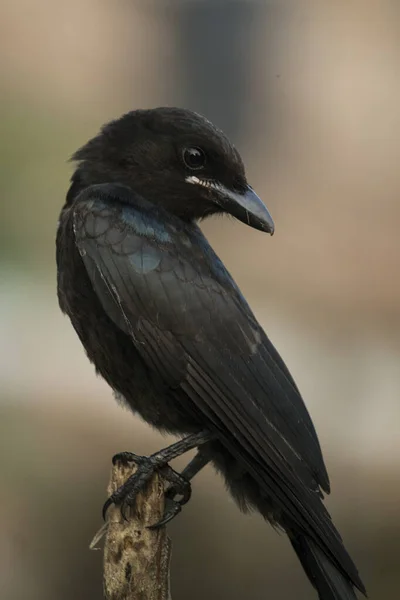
(125, 496)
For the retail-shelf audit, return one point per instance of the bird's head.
(175, 158)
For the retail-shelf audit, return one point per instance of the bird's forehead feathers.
(181, 122)
(157, 128)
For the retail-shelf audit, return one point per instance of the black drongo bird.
(166, 326)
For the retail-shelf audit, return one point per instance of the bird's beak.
(245, 206)
(248, 208)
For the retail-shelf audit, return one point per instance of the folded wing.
(162, 284)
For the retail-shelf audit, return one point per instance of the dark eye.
(194, 158)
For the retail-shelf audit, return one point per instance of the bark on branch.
(136, 559)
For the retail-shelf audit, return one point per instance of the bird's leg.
(182, 488)
(146, 465)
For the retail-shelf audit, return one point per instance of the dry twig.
(136, 559)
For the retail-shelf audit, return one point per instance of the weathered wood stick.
(136, 559)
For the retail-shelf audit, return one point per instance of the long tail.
(330, 583)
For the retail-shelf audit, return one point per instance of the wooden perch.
(136, 559)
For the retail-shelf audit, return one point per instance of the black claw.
(173, 508)
(184, 490)
(124, 508)
(106, 506)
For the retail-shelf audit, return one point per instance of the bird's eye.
(194, 158)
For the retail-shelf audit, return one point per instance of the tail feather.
(330, 583)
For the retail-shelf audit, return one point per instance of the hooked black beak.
(248, 208)
(245, 206)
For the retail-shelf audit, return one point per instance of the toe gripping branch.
(125, 496)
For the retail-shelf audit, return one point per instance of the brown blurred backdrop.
(310, 93)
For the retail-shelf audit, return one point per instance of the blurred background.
(310, 94)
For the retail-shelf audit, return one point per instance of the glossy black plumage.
(167, 327)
